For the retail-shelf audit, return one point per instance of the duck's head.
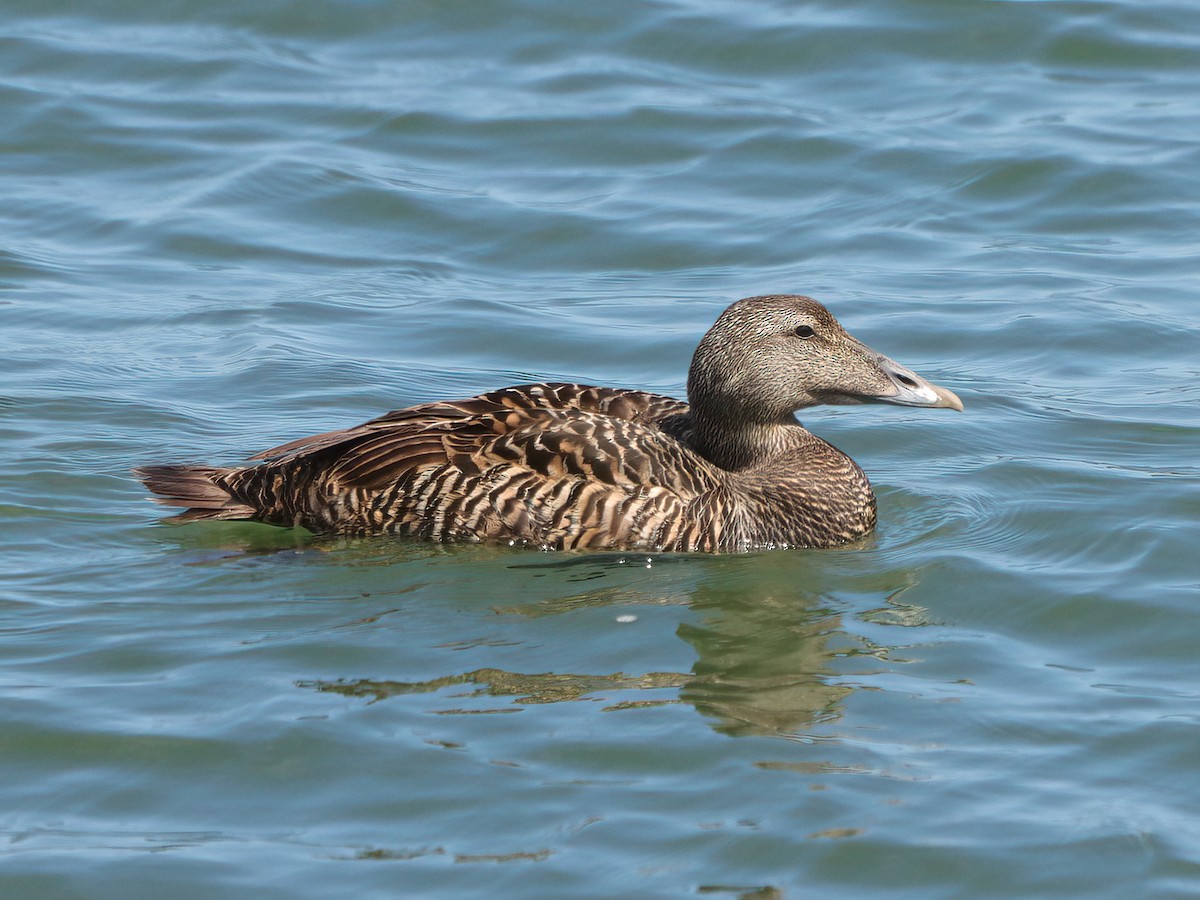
(766, 357)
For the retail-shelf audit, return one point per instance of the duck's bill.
(907, 388)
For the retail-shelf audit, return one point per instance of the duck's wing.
(591, 469)
(617, 403)
(607, 435)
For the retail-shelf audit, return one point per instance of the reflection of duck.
(569, 466)
(770, 654)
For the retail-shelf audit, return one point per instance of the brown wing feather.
(553, 443)
(563, 465)
(615, 402)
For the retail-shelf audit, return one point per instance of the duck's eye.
(804, 331)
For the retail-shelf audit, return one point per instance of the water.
(230, 225)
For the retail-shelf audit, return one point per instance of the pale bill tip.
(947, 399)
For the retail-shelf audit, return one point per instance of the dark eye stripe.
(804, 331)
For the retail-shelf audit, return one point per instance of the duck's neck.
(734, 425)
(735, 446)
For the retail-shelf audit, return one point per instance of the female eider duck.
(568, 466)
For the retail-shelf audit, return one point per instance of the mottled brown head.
(767, 357)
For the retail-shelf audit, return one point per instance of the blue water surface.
(230, 225)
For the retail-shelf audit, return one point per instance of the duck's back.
(556, 465)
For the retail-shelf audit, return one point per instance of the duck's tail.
(196, 488)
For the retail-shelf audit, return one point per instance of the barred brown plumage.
(569, 466)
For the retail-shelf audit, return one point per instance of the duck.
(563, 466)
